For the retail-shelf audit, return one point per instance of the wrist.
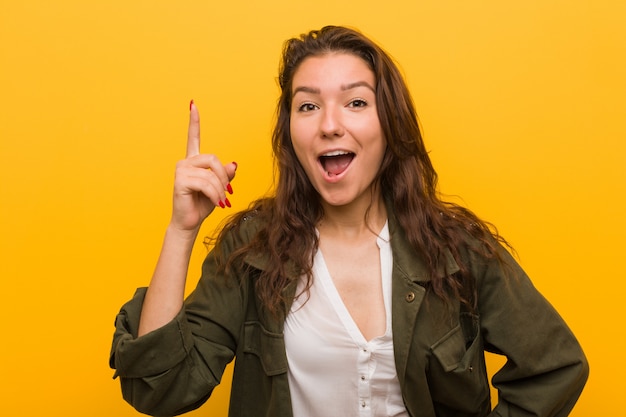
(182, 235)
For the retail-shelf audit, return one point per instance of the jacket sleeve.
(174, 369)
(546, 368)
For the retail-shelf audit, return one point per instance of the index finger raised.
(193, 132)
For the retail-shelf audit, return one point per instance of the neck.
(356, 220)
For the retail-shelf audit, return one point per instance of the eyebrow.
(357, 84)
(344, 87)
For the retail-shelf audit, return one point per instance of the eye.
(307, 107)
(357, 103)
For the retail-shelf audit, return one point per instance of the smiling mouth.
(335, 163)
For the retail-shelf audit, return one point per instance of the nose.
(331, 124)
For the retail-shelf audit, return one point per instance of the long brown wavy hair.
(407, 179)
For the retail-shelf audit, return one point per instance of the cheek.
(380, 145)
(297, 139)
(374, 134)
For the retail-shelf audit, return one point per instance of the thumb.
(231, 170)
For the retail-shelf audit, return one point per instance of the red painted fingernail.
(222, 204)
(229, 188)
(235, 164)
(227, 202)
(190, 105)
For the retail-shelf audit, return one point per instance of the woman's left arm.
(546, 368)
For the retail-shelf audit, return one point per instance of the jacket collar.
(411, 264)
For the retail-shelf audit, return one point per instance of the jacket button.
(410, 297)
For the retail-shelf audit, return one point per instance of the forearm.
(165, 295)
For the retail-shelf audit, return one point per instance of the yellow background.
(522, 104)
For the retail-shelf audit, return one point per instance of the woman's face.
(335, 129)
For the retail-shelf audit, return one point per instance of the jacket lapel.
(410, 278)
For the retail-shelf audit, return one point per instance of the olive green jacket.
(439, 349)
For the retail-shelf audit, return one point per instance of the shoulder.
(243, 238)
(242, 228)
(486, 254)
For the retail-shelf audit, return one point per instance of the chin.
(337, 200)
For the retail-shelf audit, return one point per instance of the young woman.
(354, 290)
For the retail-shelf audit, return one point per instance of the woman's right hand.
(200, 185)
(201, 181)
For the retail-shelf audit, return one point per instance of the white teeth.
(336, 153)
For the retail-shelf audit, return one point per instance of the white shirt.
(333, 370)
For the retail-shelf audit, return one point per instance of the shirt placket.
(365, 368)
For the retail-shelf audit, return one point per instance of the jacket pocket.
(457, 373)
(269, 347)
(450, 350)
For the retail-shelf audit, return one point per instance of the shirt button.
(410, 297)
(363, 404)
(362, 377)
